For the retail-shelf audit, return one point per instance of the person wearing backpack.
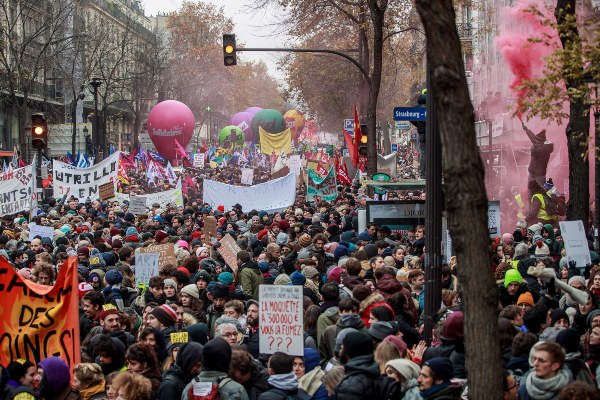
(362, 379)
(214, 383)
(283, 384)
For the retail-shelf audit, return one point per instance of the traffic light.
(39, 131)
(229, 56)
(362, 146)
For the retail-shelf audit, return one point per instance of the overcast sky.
(250, 28)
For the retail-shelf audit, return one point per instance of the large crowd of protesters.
(364, 295)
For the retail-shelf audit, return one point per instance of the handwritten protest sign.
(494, 218)
(321, 188)
(210, 229)
(84, 182)
(228, 250)
(166, 254)
(146, 266)
(41, 231)
(573, 233)
(107, 191)
(247, 176)
(281, 319)
(137, 205)
(39, 321)
(17, 190)
(199, 160)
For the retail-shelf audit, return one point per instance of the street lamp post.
(208, 110)
(96, 82)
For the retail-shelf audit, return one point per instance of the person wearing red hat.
(161, 237)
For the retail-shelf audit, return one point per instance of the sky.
(250, 27)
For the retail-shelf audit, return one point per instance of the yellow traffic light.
(229, 49)
(363, 139)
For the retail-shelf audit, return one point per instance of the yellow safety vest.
(521, 206)
(542, 214)
(515, 264)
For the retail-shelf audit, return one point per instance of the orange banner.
(38, 321)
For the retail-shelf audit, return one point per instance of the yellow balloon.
(294, 120)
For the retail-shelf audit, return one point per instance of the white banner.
(576, 245)
(173, 197)
(41, 231)
(271, 196)
(84, 182)
(247, 176)
(137, 205)
(17, 190)
(295, 164)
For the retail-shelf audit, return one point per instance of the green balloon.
(270, 120)
(228, 131)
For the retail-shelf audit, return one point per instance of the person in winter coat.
(405, 373)
(348, 318)
(452, 346)
(187, 365)
(569, 341)
(362, 379)
(89, 381)
(434, 380)
(56, 380)
(141, 359)
(311, 381)
(512, 288)
(250, 276)
(283, 384)
(216, 357)
(549, 374)
(248, 372)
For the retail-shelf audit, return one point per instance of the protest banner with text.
(281, 319)
(17, 190)
(84, 182)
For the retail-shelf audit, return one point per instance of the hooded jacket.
(250, 278)
(362, 380)
(327, 343)
(179, 374)
(388, 285)
(56, 382)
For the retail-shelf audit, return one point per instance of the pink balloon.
(252, 110)
(167, 121)
(243, 120)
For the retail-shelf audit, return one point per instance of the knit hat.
(339, 339)
(282, 238)
(541, 249)
(357, 344)
(183, 243)
(191, 290)
(284, 225)
(113, 277)
(131, 231)
(96, 260)
(441, 367)
(558, 314)
(576, 278)
(361, 292)
(107, 312)
(216, 355)
(591, 316)
(18, 368)
(220, 291)
(453, 328)
(340, 251)
(311, 359)
(398, 343)
(526, 298)
(364, 236)
(225, 278)
(170, 282)
(165, 315)
(380, 330)
(335, 274)
(512, 275)
(84, 287)
(160, 235)
(83, 251)
(406, 368)
(310, 272)
(568, 339)
(282, 279)
(56, 376)
(305, 240)
(297, 278)
(330, 247)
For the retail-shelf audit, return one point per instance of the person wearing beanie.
(283, 382)
(282, 279)
(559, 319)
(216, 357)
(161, 237)
(21, 373)
(220, 295)
(512, 287)
(56, 379)
(525, 301)
(380, 330)
(170, 289)
(249, 274)
(164, 319)
(568, 339)
(305, 240)
(311, 380)
(452, 337)
(96, 260)
(362, 376)
(434, 380)
(132, 238)
(96, 279)
(187, 365)
(405, 373)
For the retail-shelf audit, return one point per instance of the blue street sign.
(410, 114)
(349, 125)
(394, 147)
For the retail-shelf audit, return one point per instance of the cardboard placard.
(137, 205)
(166, 254)
(573, 233)
(107, 191)
(210, 229)
(281, 319)
(179, 337)
(228, 250)
(146, 266)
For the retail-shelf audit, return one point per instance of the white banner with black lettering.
(17, 190)
(84, 182)
(271, 196)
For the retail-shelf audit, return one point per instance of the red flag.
(180, 150)
(341, 171)
(357, 132)
(351, 150)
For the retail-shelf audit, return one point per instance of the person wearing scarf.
(549, 375)
(434, 379)
(88, 379)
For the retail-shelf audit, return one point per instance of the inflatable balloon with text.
(167, 121)
(226, 136)
(243, 120)
(294, 120)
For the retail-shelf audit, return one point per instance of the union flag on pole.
(341, 172)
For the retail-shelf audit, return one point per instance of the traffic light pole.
(39, 174)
